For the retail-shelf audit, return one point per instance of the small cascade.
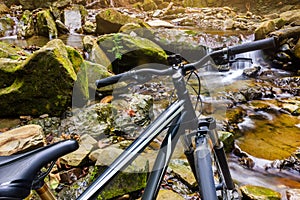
(72, 20)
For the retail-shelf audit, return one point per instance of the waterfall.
(72, 20)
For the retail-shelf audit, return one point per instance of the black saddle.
(17, 172)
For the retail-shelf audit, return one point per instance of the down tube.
(163, 159)
(132, 151)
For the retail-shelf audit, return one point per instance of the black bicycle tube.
(222, 160)
(203, 162)
(162, 159)
(133, 150)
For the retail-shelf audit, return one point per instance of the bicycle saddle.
(17, 172)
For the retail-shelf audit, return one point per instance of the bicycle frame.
(178, 115)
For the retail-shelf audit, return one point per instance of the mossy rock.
(110, 21)
(126, 52)
(251, 192)
(264, 29)
(132, 178)
(11, 51)
(46, 25)
(43, 83)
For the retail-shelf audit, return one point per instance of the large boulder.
(111, 20)
(264, 29)
(42, 83)
(126, 52)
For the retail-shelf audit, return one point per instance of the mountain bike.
(204, 151)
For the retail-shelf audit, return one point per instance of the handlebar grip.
(251, 46)
(109, 80)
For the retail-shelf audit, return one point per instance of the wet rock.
(126, 52)
(22, 139)
(293, 194)
(89, 28)
(43, 83)
(126, 114)
(252, 71)
(133, 178)
(61, 27)
(45, 24)
(111, 20)
(149, 5)
(6, 26)
(256, 192)
(264, 28)
(168, 194)
(182, 168)
(78, 157)
(290, 16)
(3, 8)
(94, 52)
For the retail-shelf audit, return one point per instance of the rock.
(126, 114)
(43, 83)
(256, 192)
(252, 71)
(290, 16)
(293, 194)
(22, 139)
(3, 8)
(6, 26)
(26, 25)
(111, 20)
(89, 27)
(183, 170)
(133, 178)
(264, 28)
(94, 52)
(168, 194)
(149, 5)
(86, 79)
(61, 27)
(76, 158)
(297, 49)
(33, 4)
(126, 52)
(45, 24)
(229, 24)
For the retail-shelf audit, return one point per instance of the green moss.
(122, 184)
(75, 58)
(11, 51)
(45, 24)
(13, 88)
(258, 192)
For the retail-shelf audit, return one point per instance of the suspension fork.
(208, 126)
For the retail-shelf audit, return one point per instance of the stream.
(265, 136)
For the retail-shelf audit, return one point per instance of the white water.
(72, 20)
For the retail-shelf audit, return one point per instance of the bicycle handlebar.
(251, 46)
(237, 49)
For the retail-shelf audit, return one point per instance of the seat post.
(45, 193)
